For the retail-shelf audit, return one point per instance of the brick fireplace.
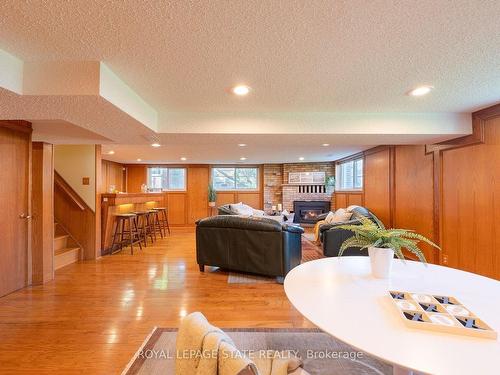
(278, 190)
(308, 211)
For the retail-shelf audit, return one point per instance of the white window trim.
(257, 189)
(168, 171)
(338, 178)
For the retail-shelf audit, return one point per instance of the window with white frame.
(165, 178)
(349, 175)
(235, 178)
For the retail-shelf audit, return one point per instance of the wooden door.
(14, 205)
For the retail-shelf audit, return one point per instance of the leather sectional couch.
(255, 245)
(332, 237)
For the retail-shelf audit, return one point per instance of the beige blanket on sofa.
(203, 349)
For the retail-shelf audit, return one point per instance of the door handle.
(24, 216)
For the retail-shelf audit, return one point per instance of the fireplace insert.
(306, 212)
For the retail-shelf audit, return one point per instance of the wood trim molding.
(477, 137)
(392, 185)
(70, 193)
(350, 157)
(376, 149)
(487, 113)
(42, 237)
(17, 125)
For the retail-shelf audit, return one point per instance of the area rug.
(310, 251)
(320, 352)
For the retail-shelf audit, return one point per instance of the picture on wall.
(307, 178)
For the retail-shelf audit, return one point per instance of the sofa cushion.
(258, 213)
(242, 209)
(241, 222)
(339, 216)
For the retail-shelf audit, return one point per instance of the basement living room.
(241, 188)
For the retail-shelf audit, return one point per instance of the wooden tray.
(439, 313)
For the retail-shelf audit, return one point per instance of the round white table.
(340, 296)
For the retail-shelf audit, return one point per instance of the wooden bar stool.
(163, 216)
(143, 226)
(155, 221)
(126, 231)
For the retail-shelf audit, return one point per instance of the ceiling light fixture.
(301, 158)
(155, 144)
(420, 91)
(325, 144)
(241, 90)
(243, 158)
(242, 144)
(183, 158)
(111, 152)
(139, 159)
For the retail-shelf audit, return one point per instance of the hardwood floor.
(95, 314)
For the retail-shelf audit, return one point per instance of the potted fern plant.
(212, 195)
(383, 243)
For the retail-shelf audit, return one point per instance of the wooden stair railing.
(62, 185)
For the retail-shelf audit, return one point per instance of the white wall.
(117, 92)
(73, 162)
(11, 72)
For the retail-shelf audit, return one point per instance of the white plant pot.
(381, 261)
(211, 204)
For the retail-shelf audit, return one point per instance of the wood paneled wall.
(185, 207)
(76, 218)
(449, 192)
(42, 239)
(253, 199)
(413, 205)
(112, 174)
(136, 176)
(345, 199)
(197, 192)
(378, 182)
(470, 201)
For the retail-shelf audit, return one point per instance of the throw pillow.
(340, 216)
(242, 209)
(329, 217)
(258, 213)
(350, 208)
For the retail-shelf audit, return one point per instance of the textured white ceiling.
(309, 63)
(317, 55)
(261, 148)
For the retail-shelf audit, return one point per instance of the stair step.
(65, 256)
(60, 241)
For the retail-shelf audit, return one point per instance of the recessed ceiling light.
(155, 145)
(325, 144)
(301, 158)
(243, 158)
(139, 159)
(183, 158)
(111, 152)
(242, 144)
(420, 91)
(241, 90)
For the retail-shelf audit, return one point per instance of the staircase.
(66, 250)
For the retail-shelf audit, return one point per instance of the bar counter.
(112, 204)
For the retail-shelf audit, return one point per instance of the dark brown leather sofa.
(254, 245)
